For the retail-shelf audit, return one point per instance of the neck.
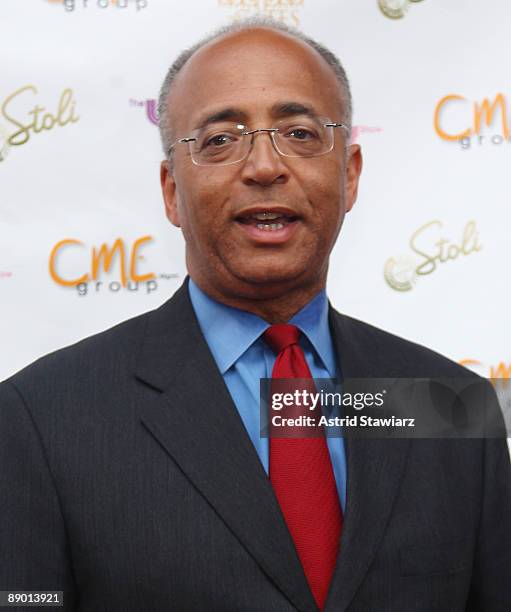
(264, 301)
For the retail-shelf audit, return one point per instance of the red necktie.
(302, 477)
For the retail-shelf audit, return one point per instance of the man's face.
(259, 76)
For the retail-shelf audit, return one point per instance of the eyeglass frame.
(271, 131)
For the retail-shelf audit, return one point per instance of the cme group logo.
(431, 247)
(286, 11)
(473, 122)
(25, 113)
(499, 376)
(72, 5)
(119, 267)
(500, 371)
(395, 9)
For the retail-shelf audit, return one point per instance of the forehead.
(254, 70)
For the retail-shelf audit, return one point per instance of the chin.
(271, 275)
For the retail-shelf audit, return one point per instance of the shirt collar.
(229, 331)
(312, 320)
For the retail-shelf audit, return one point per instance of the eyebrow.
(278, 110)
(226, 114)
(286, 109)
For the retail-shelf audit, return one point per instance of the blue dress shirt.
(243, 357)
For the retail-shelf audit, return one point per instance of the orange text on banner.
(103, 256)
(499, 371)
(485, 110)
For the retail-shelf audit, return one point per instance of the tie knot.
(281, 336)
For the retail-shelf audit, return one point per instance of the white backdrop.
(424, 252)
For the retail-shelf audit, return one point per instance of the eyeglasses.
(228, 143)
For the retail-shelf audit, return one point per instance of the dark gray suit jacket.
(128, 481)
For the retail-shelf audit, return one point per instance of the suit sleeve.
(491, 585)
(33, 541)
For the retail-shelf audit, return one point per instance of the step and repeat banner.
(85, 243)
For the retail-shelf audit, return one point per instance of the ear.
(353, 170)
(168, 188)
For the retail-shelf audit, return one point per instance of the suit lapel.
(375, 470)
(195, 421)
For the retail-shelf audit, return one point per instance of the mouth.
(277, 221)
(269, 219)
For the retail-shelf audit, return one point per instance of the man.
(133, 473)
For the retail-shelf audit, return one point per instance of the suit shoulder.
(403, 357)
(93, 356)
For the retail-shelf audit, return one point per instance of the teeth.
(270, 226)
(266, 216)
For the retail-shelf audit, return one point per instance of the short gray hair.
(247, 24)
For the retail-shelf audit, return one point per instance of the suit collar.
(375, 470)
(190, 413)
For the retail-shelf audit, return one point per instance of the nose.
(263, 165)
